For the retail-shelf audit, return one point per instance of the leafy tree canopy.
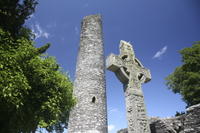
(34, 92)
(186, 78)
(13, 14)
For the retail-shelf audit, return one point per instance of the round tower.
(90, 114)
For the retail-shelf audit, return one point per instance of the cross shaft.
(132, 74)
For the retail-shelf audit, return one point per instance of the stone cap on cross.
(127, 64)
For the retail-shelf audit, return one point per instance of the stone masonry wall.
(186, 123)
(90, 114)
(192, 119)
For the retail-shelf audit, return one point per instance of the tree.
(14, 13)
(34, 91)
(179, 113)
(186, 78)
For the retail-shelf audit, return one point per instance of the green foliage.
(13, 14)
(34, 92)
(179, 113)
(186, 78)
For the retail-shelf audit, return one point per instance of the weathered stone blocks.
(132, 74)
(186, 123)
(90, 113)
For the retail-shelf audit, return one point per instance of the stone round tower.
(90, 114)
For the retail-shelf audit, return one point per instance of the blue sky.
(157, 29)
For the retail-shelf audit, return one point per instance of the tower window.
(93, 99)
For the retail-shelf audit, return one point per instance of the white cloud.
(39, 32)
(51, 25)
(31, 16)
(46, 35)
(113, 110)
(76, 30)
(111, 127)
(160, 52)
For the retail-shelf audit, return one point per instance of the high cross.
(132, 74)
